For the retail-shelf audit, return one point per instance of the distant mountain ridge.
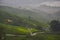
(45, 13)
(21, 12)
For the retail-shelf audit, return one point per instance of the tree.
(55, 25)
(2, 33)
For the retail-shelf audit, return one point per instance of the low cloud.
(52, 4)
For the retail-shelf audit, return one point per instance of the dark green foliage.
(55, 26)
(2, 32)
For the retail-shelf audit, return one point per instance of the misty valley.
(42, 23)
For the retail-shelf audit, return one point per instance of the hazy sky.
(25, 2)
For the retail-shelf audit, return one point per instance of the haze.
(31, 3)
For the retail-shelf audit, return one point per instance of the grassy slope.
(11, 27)
(16, 29)
(19, 20)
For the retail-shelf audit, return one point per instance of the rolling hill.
(42, 13)
(25, 13)
(13, 23)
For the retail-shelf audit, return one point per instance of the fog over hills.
(48, 9)
(33, 5)
(29, 3)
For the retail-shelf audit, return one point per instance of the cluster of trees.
(55, 26)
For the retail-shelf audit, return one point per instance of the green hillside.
(9, 18)
(9, 29)
(13, 24)
(42, 16)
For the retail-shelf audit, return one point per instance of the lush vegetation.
(22, 28)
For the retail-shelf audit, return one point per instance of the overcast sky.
(26, 2)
